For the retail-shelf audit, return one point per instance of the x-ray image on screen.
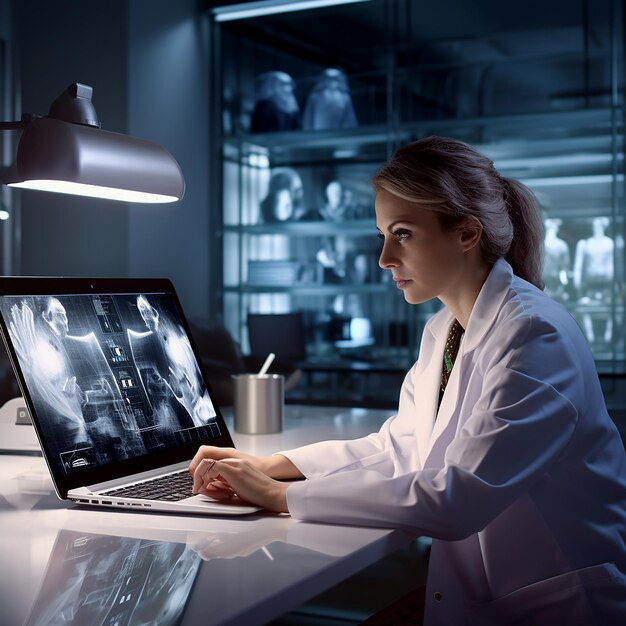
(111, 377)
(164, 358)
(115, 580)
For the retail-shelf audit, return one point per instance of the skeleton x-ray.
(111, 377)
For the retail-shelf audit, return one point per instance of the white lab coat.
(521, 479)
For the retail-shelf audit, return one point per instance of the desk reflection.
(95, 579)
(151, 577)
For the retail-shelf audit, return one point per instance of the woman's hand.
(275, 466)
(223, 478)
(216, 453)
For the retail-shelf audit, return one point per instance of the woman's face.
(425, 260)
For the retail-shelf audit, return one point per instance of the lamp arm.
(27, 118)
(13, 125)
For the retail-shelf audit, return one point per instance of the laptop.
(116, 393)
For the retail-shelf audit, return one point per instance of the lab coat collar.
(492, 294)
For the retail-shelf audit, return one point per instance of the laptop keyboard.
(170, 488)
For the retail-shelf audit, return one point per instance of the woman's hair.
(459, 183)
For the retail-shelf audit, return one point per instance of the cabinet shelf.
(306, 229)
(599, 308)
(597, 123)
(301, 139)
(312, 289)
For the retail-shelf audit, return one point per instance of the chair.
(221, 358)
(9, 387)
(280, 333)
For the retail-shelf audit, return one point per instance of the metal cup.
(258, 403)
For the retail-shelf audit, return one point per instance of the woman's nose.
(385, 259)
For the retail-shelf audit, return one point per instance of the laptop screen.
(111, 377)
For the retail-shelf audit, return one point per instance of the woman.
(502, 449)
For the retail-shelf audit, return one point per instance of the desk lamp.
(67, 152)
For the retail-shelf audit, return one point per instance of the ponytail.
(525, 253)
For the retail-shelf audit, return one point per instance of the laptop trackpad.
(235, 506)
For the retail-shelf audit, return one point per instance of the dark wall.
(168, 103)
(147, 61)
(58, 43)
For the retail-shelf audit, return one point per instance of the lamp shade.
(55, 155)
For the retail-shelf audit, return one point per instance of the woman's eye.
(401, 234)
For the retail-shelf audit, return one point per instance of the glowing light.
(94, 191)
(258, 9)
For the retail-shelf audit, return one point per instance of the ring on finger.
(208, 469)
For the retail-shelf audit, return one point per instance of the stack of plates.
(272, 272)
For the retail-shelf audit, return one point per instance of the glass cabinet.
(310, 103)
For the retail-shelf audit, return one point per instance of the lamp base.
(17, 435)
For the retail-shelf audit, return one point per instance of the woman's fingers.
(201, 476)
(210, 452)
(209, 483)
(207, 474)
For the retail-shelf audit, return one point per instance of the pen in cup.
(266, 364)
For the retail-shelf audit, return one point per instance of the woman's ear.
(470, 232)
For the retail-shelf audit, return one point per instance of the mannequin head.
(552, 225)
(332, 78)
(334, 194)
(278, 87)
(284, 195)
(599, 226)
(338, 201)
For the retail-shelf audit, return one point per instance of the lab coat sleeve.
(328, 457)
(517, 428)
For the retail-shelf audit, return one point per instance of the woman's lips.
(401, 283)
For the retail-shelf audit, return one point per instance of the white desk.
(57, 559)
